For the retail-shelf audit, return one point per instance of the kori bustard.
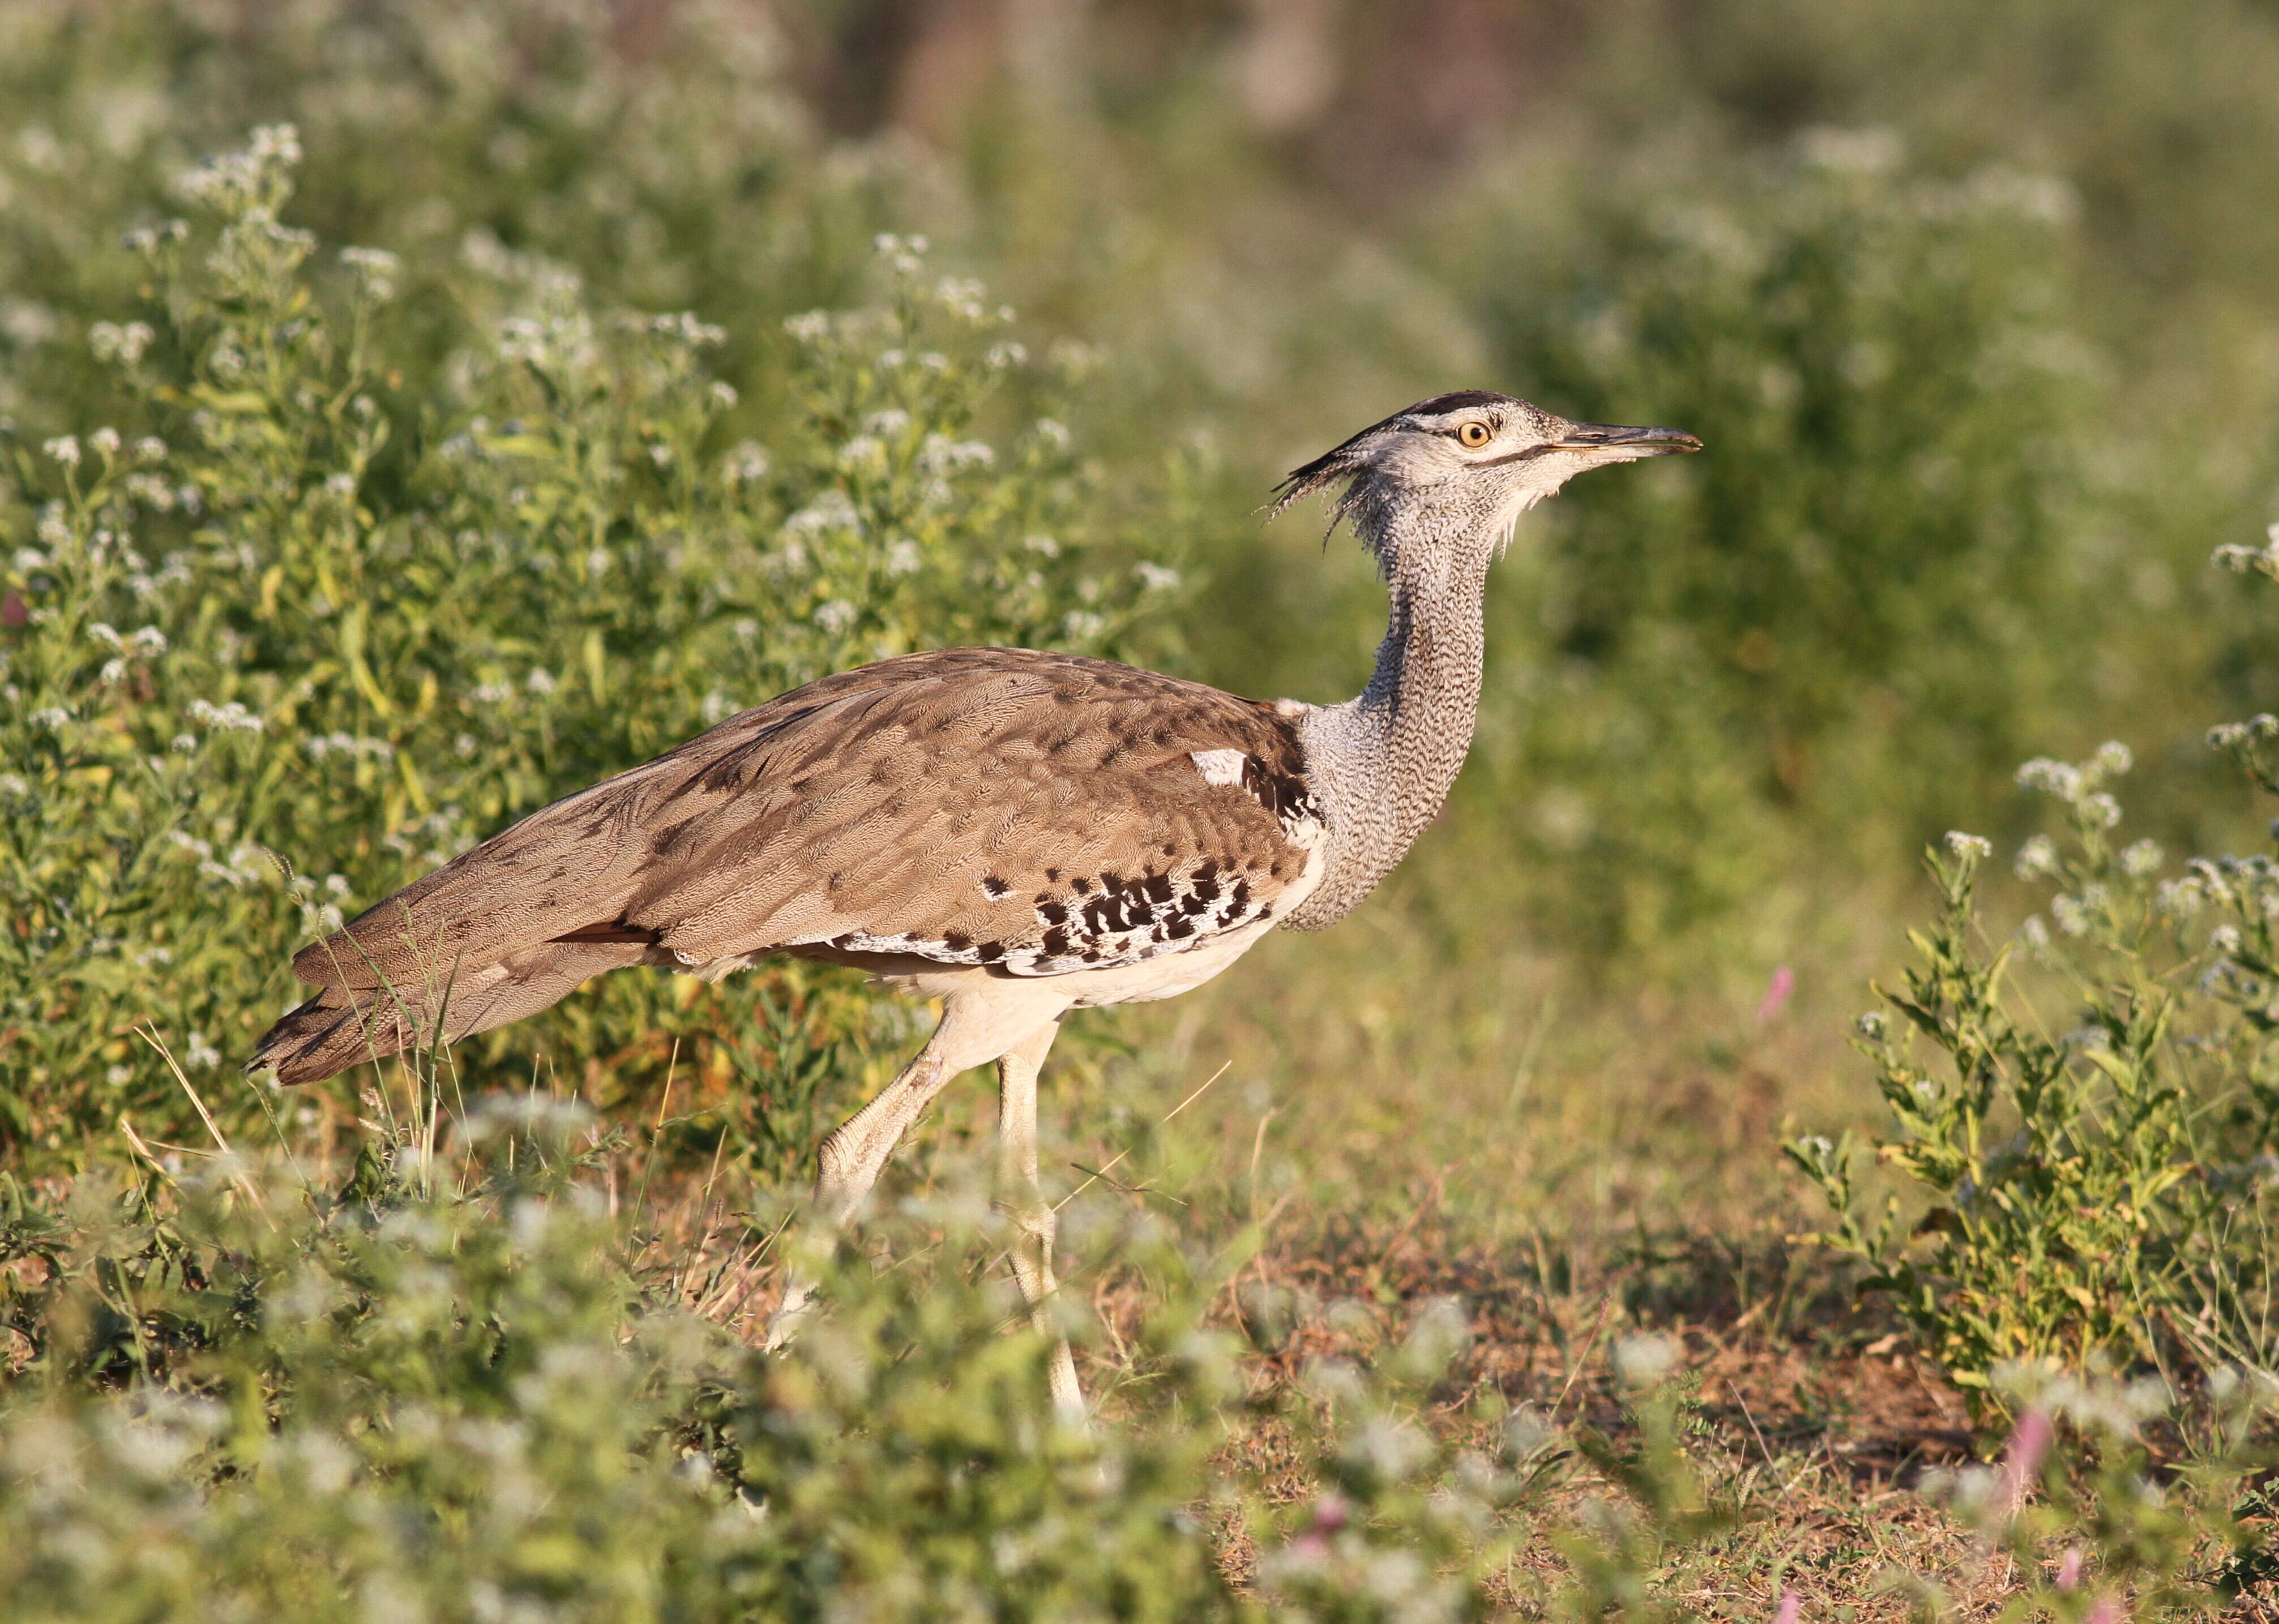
(1017, 834)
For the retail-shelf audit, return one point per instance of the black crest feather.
(1343, 461)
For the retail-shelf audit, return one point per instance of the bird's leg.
(1020, 1195)
(850, 1162)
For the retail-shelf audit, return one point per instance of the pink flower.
(1330, 1514)
(2022, 1458)
(1790, 1608)
(2069, 1568)
(2106, 1610)
(1776, 992)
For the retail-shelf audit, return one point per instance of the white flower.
(747, 463)
(112, 343)
(203, 1056)
(808, 328)
(960, 295)
(341, 484)
(2113, 758)
(64, 448)
(2141, 858)
(149, 448)
(2035, 933)
(102, 633)
(2071, 916)
(104, 442)
(13, 783)
(375, 270)
(1155, 576)
(541, 681)
(941, 455)
(2224, 939)
(1054, 432)
(118, 1076)
(2102, 810)
(684, 327)
(717, 707)
(2051, 778)
(832, 510)
(1969, 847)
(1043, 546)
(902, 558)
(277, 144)
(148, 642)
(2233, 556)
(54, 718)
(723, 395)
(230, 718)
(835, 616)
(2037, 858)
(2179, 898)
(1871, 1025)
(1081, 625)
(145, 239)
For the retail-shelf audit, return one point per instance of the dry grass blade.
(238, 1181)
(1109, 1165)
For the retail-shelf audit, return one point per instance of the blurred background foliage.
(1975, 311)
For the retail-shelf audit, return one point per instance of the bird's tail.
(344, 1025)
(326, 1036)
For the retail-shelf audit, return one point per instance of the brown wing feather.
(1035, 813)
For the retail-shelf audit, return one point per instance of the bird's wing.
(1034, 813)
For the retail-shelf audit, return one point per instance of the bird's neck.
(1381, 765)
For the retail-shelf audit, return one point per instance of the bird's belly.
(1159, 976)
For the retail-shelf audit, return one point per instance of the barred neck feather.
(1380, 765)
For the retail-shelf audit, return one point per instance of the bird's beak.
(1611, 442)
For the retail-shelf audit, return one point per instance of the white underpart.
(1005, 1003)
(1218, 766)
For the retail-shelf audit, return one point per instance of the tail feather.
(342, 1026)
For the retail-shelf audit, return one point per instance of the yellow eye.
(1472, 436)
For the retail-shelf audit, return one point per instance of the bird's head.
(1459, 469)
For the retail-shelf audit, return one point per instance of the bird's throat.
(1381, 765)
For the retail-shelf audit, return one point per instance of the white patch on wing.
(1218, 766)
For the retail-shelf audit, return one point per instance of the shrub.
(1803, 627)
(454, 1389)
(2098, 1187)
(322, 616)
